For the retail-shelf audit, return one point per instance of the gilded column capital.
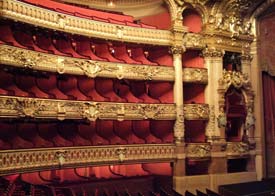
(212, 52)
(177, 49)
(246, 57)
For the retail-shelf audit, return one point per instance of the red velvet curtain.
(269, 120)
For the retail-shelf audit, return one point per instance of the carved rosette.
(195, 75)
(237, 149)
(196, 111)
(14, 161)
(198, 151)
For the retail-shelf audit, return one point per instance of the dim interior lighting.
(111, 3)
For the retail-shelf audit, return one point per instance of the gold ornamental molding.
(19, 107)
(24, 12)
(198, 151)
(25, 160)
(194, 41)
(237, 149)
(196, 111)
(22, 58)
(194, 75)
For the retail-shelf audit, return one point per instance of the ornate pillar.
(213, 59)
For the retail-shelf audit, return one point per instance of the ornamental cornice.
(197, 151)
(19, 161)
(23, 58)
(19, 107)
(23, 12)
(196, 111)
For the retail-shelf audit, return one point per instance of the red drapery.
(269, 120)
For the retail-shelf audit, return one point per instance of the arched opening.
(192, 20)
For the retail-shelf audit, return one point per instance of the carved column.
(178, 94)
(179, 164)
(213, 59)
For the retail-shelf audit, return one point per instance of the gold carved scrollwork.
(90, 111)
(192, 40)
(29, 107)
(179, 125)
(177, 49)
(90, 68)
(198, 151)
(191, 75)
(121, 152)
(212, 52)
(196, 111)
(210, 128)
(237, 149)
(236, 79)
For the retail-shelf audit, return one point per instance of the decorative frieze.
(192, 40)
(23, 58)
(198, 150)
(237, 149)
(14, 161)
(18, 107)
(196, 111)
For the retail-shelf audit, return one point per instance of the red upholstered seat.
(69, 131)
(7, 83)
(162, 91)
(28, 131)
(106, 88)
(26, 39)
(163, 129)
(49, 131)
(28, 84)
(83, 47)
(140, 90)
(10, 135)
(123, 129)
(142, 130)
(123, 90)
(88, 131)
(49, 86)
(138, 55)
(45, 43)
(8, 37)
(64, 45)
(87, 87)
(105, 129)
(102, 50)
(122, 54)
(161, 56)
(68, 85)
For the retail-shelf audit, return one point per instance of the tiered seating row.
(127, 187)
(30, 14)
(67, 134)
(76, 46)
(68, 87)
(90, 14)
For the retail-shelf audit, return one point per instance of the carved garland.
(198, 151)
